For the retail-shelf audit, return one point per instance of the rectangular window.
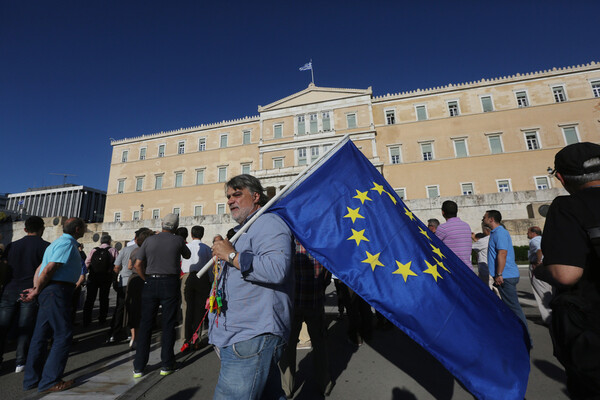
(570, 134)
(522, 100)
(433, 191)
(421, 113)
(181, 147)
(302, 156)
(176, 210)
(541, 183)
(486, 103)
(161, 150)
(223, 141)
(278, 163)
(301, 125)
(278, 131)
(313, 123)
(220, 209)
(120, 185)
(596, 88)
(124, 155)
(460, 148)
(326, 121)
(136, 215)
(202, 144)
(326, 147)
(495, 144)
(466, 188)
(158, 182)
(178, 179)
(401, 192)
(390, 117)
(314, 153)
(246, 137)
(351, 120)
(453, 108)
(139, 184)
(427, 151)
(503, 185)
(559, 94)
(200, 177)
(143, 153)
(246, 169)
(197, 211)
(395, 155)
(117, 217)
(222, 174)
(532, 141)
(156, 213)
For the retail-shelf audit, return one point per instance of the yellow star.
(441, 264)
(353, 213)
(373, 260)
(424, 233)
(410, 215)
(437, 251)
(378, 188)
(391, 197)
(358, 236)
(432, 270)
(362, 196)
(404, 270)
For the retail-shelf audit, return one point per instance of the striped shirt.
(456, 234)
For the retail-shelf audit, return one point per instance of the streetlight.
(142, 211)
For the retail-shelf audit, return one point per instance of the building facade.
(477, 138)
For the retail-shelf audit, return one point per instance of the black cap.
(570, 160)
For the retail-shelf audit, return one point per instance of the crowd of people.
(264, 286)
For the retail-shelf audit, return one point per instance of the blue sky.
(74, 74)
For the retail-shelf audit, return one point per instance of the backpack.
(101, 262)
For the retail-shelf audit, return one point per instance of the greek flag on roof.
(306, 66)
(351, 220)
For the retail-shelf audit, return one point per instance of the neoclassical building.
(469, 139)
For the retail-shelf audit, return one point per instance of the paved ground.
(391, 366)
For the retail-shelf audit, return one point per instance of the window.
(542, 183)
(156, 213)
(161, 150)
(199, 176)
(427, 151)
(395, 155)
(301, 126)
(466, 188)
(302, 156)
(453, 110)
(433, 191)
(326, 121)
(223, 141)
(486, 103)
(503, 185)
(313, 123)
(181, 147)
(570, 133)
(136, 215)
(351, 120)
(139, 183)
(401, 192)
(143, 153)
(495, 144)
(314, 153)
(245, 168)
(326, 147)
(124, 155)
(278, 163)
(178, 179)
(277, 131)
(221, 208)
(460, 148)
(120, 185)
(176, 210)
(117, 217)
(222, 174)
(559, 94)
(596, 88)
(202, 144)
(158, 182)
(421, 113)
(532, 141)
(390, 117)
(197, 211)
(246, 137)
(522, 100)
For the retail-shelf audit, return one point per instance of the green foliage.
(521, 253)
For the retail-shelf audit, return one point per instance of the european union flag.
(351, 220)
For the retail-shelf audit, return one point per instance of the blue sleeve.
(503, 242)
(60, 253)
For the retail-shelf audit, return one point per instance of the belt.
(163, 276)
(63, 283)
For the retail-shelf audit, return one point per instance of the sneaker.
(168, 370)
(138, 374)
(20, 368)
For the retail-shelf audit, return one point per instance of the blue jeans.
(25, 322)
(249, 369)
(163, 292)
(53, 321)
(508, 292)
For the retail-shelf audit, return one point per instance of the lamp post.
(141, 211)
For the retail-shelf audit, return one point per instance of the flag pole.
(301, 176)
(311, 72)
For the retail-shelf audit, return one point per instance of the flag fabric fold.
(306, 66)
(351, 220)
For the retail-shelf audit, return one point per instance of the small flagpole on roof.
(312, 75)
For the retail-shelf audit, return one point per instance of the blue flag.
(306, 66)
(351, 220)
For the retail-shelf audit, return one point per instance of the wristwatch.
(231, 257)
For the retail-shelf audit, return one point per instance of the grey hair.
(249, 182)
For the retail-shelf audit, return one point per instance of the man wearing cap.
(571, 248)
(158, 263)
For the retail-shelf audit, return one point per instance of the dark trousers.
(196, 292)
(94, 286)
(24, 321)
(116, 324)
(165, 292)
(360, 317)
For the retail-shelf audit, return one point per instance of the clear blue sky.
(75, 73)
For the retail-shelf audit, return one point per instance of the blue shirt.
(258, 298)
(500, 240)
(64, 251)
